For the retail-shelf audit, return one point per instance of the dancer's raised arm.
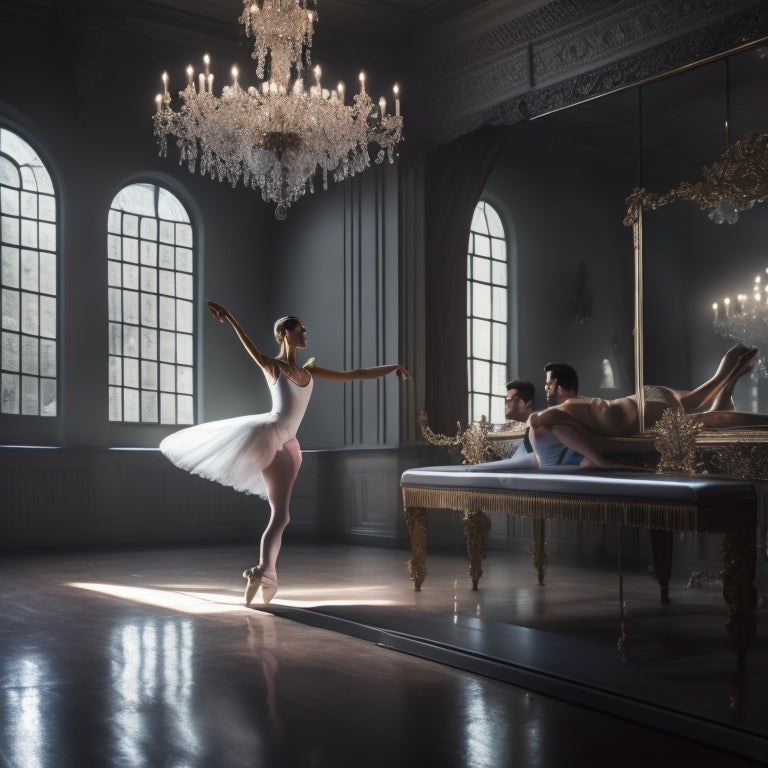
(267, 363)
(374, 372)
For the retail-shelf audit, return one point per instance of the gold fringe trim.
(635, 512)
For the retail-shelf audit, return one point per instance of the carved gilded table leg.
(739, 555)
(539, 550)
(476, 525)
(416, 522)
(661, 547)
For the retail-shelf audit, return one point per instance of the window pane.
(11, 310)
(149, 343)
(481, 300)
(481, 270)
(48, 317)
(167, 347)
(499, 351)
(30, 399)
(47, 397)
(149, 406)
(500, 303)
(9, 198)
(184, 317)
(11, 384)
(482, 246)
(30, 313)
(481, 376)
(115, 371)
(131, 405)
(9, 230)
(185, 410)
(149, 253)
(8, 173)
(184, 260)
(149, 375)
(148, 310)
(499, 270)
(47, 236)
(48, 358)
(29, 281)
(481, 339)
(130, 341)
(131, 307)
(130, 277)
(167, 408)
(29, 356)
(167, 377)
(46, 208)
(479, 406)
(186, 380)
(149, 279)
(115, 404)
(11, 351)
(10, 267)
(131, 373)
(184, 352)
(499, 250)
(48, 273)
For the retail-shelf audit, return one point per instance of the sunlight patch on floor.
(198, 602)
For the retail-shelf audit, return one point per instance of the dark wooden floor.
(148, 658)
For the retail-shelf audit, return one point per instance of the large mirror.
(562, 185)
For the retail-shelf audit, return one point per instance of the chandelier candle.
(277, 137)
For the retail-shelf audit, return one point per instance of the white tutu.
(234, 451)
(231, 452)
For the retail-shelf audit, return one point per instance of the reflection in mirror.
(705, 161)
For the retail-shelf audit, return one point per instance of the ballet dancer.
(260, 454)
(580, 421)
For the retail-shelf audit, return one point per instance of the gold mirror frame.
(740, 176)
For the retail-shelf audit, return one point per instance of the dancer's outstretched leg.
(279, 478)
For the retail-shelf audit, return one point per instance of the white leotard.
(234, 451)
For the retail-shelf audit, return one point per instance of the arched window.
(28, 355)
(151, 318)
(486, 315)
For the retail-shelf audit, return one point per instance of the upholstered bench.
(663, 504)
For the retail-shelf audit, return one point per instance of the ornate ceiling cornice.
(620, 45)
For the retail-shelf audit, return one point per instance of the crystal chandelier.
(746, 320)
(277, 136)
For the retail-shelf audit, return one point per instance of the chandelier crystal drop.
(277, 136)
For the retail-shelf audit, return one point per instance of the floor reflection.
(26, 675)
(152, 684)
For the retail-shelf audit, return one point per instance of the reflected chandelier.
(276, 137)
(746, 320)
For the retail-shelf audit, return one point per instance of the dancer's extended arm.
(358, 373)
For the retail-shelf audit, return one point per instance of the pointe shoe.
(268, 589)
(253, 582)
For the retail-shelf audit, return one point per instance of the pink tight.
(279, 477)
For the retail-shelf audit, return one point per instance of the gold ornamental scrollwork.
(472, 441)
(740, 175)
(676, 442)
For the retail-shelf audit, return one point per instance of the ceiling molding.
(620, 46)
